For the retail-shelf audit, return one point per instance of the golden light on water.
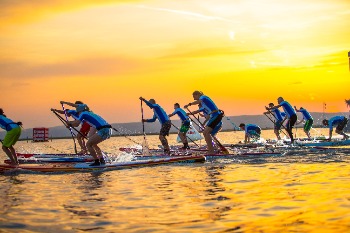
(301, 192)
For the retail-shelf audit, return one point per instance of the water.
(296, 193)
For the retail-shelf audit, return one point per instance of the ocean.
(293, 193)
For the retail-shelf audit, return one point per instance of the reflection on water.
(294, 193)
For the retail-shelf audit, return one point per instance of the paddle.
(185, 135)
(234, 125)
(126, 136)
(104, 154)
(70, 129)
(145, 148)
(223, 149)
(275, 121)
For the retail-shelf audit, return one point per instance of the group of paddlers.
(95, 129)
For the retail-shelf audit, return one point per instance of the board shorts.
(185, 126)
(12, 137)
(216, 129)
(215, 120)
(342, 124)
(164, 131)
(85, 128)
(254, 133)
(308, 125)
(105, 133)
(291, 121)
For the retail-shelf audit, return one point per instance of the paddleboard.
(112, 166)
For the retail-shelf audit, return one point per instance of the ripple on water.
(291, 193)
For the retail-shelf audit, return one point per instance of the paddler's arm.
(151, 120)
(246, 137)
(196, 102)
(268, 110)
(58, 111)
(274, 107)
(192, 113)
(330, 134)
(147, 102)
(74, 123)
(69, 103)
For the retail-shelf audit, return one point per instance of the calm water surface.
(299, 193)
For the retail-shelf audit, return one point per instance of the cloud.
(86, 67)
(213, 51)
(189, 13)
(18, 11)
(20, 84)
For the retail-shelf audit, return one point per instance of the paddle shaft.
(65, 124)
(70, 129)
(234, 125)
(126, 136)
(144, 152)
(213, 137)
(143, 123)
(274, 122)
(185, 135)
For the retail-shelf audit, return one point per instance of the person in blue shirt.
(308, 120)
(205, 113)
(185, 124)
(102, 131)
(279, 117)
(215, 116)
(290, 114)
(13, 133)
(163, 119)
(340, 123)
(251, 131)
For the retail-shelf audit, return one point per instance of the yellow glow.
(241, 54)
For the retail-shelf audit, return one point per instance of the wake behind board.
(218, 155)
(113, 166)
(324, 143)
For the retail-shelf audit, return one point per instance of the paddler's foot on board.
(166, 152)
(96, 163)
(82, 152)
(102, 161)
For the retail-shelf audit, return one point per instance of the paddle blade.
(145, 148)
(224, 150)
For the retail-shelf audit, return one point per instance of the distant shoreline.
(140, 134)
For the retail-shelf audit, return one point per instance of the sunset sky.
(241, 53)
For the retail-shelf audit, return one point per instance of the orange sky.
(242, 53)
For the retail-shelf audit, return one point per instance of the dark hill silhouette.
(135, 128)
